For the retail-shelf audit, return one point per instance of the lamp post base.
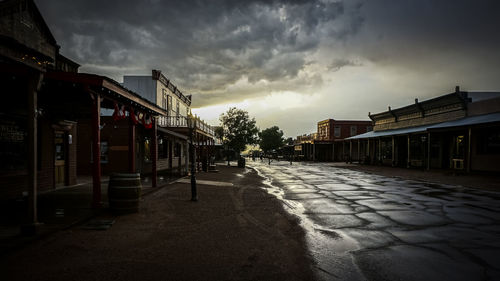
(194, 193)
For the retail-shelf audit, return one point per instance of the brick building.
(326, 144)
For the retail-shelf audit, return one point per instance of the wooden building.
(458, 131)
(44, 101)
(174, 133)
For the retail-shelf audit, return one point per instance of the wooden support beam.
(428, 151)
(393, 158)
(131, 146)
(359, 151)
(469, 149)
(154, 152)
(32, 134)
(408, 160)
(96, 151)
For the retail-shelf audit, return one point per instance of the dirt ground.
(234, 232)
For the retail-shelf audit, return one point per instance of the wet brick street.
(362, 226)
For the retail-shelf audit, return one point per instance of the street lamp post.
(192, 127)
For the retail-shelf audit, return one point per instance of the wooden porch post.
(314, 151)
(186, 157)
(96, 151)
(343, 150)
(350, 151)
(170, 145)
(408, 160)
(33, 87)
(179, 160)
(131, 145)
(469, 150)
(333, 151)
(428, 150)
(393, 152)
(154, 153)
(359, 151)
(368, 151)
(379, 150)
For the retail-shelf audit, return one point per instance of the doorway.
(60, 157)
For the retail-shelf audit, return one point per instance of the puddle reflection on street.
(363, 226)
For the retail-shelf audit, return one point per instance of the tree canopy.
(239, 129)
(271, 138)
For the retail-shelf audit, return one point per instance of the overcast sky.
(288, 63)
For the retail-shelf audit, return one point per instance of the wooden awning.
(108, 88)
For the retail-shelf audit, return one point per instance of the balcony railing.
(173, 121)
(182, 122)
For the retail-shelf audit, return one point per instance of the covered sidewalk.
(452, 144)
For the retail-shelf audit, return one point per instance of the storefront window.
(177, 150)
(13, 146)
(386, 146)
(147, 150)
(416, 148)
(104, 152)
(162, 148)
(488, 141)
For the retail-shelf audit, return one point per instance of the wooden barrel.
(124, 192)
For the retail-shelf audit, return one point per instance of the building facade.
(174, 133)
(457, 131)
(325, 144)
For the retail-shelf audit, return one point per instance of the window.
(177, 111)
(147, 150)
(13, 143)
(169, 103)
(177, 150)
(104, 152)
(354, 130)
(162, 148)
(336, 131)
(488, 141)
(386, 148)
(164, 100)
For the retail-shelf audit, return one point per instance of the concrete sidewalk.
(234, 232)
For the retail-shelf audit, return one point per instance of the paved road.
(367, 227)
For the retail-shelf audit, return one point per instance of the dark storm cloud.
(203, 46)
(429, 32)
(208, 47)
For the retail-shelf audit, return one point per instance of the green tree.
(239, 129)
(271, 138)
(219, 133)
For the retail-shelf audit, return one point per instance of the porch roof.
(466, 121)
(172, 133)
(402, 131)
(108, 87)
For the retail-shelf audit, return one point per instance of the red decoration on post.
(147, 122)
(132, 116)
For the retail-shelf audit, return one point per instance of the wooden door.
(60, 158)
